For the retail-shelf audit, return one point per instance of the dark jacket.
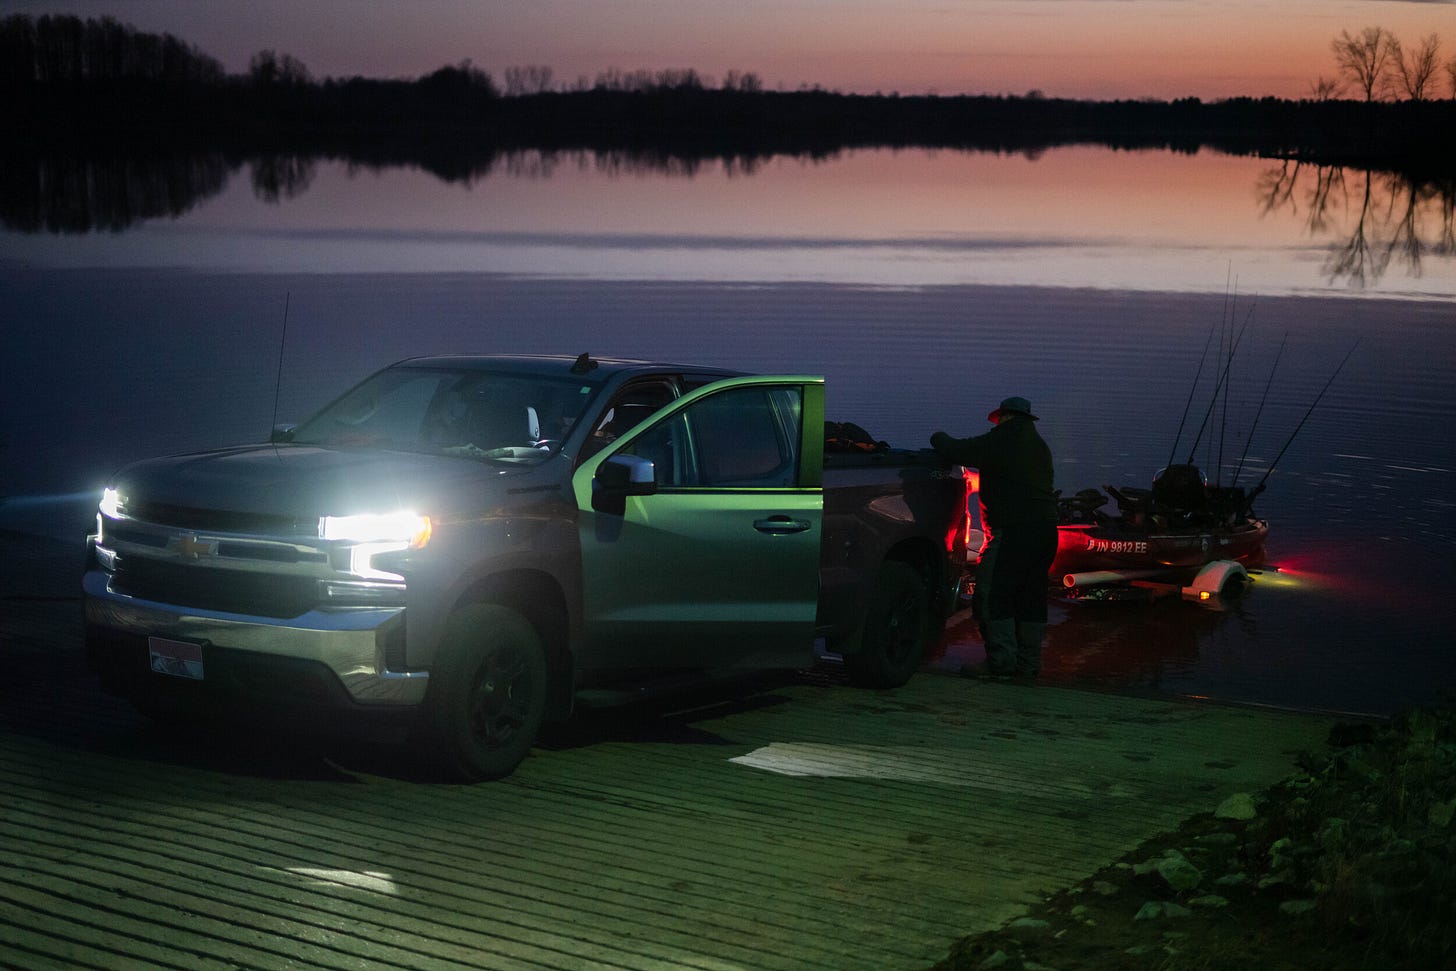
(1016, 471)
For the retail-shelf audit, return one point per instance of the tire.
(896, 630)
(487, 693)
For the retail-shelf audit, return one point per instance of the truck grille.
(218, 520)
(228, 591)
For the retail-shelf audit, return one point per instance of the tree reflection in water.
(1382, 217)
(279, 177)
(102, 192)
(1378, 218)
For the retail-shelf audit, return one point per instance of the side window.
(740, 438)
(749, 437)
(666, 446)
(629, 409)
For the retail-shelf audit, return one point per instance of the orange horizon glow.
(1083, 49)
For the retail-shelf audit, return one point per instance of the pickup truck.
(457, 549)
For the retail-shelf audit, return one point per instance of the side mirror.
(282, 433)
(619, 477)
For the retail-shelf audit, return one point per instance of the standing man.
(1019, 513)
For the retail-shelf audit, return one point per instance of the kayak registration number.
(180, 659)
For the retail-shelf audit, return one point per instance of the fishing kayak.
(1172, 530)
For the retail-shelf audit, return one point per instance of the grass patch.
(1349, 863)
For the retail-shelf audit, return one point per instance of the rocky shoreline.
(1350, 863)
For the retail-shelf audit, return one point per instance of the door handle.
(781, 524)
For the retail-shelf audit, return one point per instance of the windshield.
(482, 414)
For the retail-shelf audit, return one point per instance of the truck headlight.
(110, 505)
(374, 534)
(407, 529)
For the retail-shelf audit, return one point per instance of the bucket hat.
(1012, 406)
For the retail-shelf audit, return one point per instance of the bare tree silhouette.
(527, 79)
(1366, 58)
(746, 81)
(267, 67)
(1416, 69)
(1325, 89)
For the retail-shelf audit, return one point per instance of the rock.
(1178, 873)
(1151, 910)
(997, 960)
(1209, 901)
(1218, 839)
(1439, 815)
(1104, 888)
(1238, 806)
(1294, 908)
(1232, 880)
(1157, 909)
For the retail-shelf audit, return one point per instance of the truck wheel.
(487, 693)
(896, 629)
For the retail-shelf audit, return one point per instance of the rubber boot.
(1001, 646)
(1028, 648)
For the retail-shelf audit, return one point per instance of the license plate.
(180, 659)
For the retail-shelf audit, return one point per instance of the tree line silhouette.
(111, 126)
(75, 84)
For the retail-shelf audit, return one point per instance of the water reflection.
(1391, 217)
(104, 193)
(913, 214)
(1153, 646)
(109, 193)
(281, 177)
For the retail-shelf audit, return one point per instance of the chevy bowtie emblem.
(189, 546)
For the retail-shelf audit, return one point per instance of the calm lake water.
(925, 286)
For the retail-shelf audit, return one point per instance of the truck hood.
(304, 482)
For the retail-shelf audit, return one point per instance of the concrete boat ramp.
(806, 825)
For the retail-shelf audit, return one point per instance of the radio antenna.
(278, 379)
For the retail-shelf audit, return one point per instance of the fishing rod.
(1189, 403)
(1260, 487)
(1214, 400)
(1267, 385)
(1223, 422)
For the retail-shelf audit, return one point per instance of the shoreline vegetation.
(83, 87)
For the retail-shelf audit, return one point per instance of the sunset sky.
(1066, 48)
